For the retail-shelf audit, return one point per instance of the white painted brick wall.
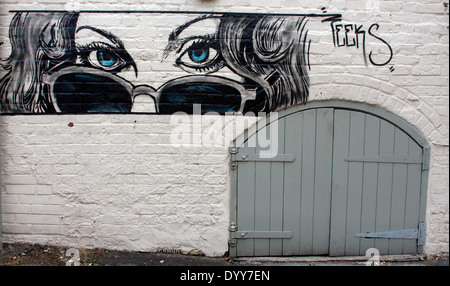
(115, 181)
(112, 181)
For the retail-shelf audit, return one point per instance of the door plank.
(322, 182)
(339, 182)
(355, 181)
(246, 202)
(277, 194)
(262, 206)
(400, 177)
(384, 192)
(292, 182)
(412, 197)
(370, 182)
(308, 146)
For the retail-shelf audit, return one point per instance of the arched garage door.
(342, 178)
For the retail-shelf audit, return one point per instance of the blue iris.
(106, 59)
(199, 56)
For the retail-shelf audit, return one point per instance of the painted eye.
(107, 60)
(199, 56)
(202, 55)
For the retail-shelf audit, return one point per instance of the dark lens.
(213, 97)
(86, 93)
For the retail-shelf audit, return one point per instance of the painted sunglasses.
(86, 90)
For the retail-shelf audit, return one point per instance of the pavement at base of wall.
(18, 254)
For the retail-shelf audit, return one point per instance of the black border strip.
(333, 16)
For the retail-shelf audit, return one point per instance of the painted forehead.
(141, 28)
(205, 25)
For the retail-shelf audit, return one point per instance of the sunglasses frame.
(134, 91)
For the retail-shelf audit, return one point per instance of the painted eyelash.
(204, 39)
(207, 69)
(126, 62)
(210, 42)
(94, 46)
(84, 51)
(212, 66)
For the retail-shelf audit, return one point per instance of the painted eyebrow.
(175, 33)
(175, 43)
(110, 36)
(115, 40)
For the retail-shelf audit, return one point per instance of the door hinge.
(232, 242)
(235, 234)
(260, 234)
(233, 151)
(418, 234)
(266, 157)
(232, 228)
(261, 157)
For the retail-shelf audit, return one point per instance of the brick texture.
(117, 181)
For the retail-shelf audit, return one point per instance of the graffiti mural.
(60, 63)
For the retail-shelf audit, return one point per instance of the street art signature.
(60, 64)
(353, 35)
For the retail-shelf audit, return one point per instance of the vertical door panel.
(384, 190)
(400, 178)
(322, 181)
(307, 182)
(288, 196)
(413, 194)
(370, 182)
(372, 191)
(307, 187)
(262, 206)
(292, 182)
(246, 202)
(277, 194)
(355, 181)
(339, 182)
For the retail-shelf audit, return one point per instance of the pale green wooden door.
(337, 173)
(377, 171)
(293, 196)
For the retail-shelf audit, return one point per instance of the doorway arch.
(344, 177)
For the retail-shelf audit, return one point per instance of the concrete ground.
(30, 255)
